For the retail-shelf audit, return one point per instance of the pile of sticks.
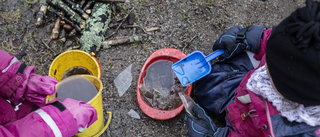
(89, 18)
(72, 15)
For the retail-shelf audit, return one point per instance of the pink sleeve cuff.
(263, 44)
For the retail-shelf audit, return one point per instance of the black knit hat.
(293, 55)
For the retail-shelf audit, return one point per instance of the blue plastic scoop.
(194, 66)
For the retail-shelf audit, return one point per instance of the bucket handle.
(106, 126)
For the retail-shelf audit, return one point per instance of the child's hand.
(200, 124)
(82, 112)
(238, 39)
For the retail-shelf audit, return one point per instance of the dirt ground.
(186, 25)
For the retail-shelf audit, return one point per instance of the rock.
(133, 114)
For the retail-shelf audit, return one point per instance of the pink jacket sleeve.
(49, 121)
(263, 44)
(18, 82)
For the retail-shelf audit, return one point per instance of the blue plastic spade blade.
(194, 66)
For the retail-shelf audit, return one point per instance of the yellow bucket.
(74, 58)
(97, 128)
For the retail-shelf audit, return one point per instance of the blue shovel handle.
(211, 56)
(214, 54)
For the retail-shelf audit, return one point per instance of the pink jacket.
(258, 117)
(22, 92)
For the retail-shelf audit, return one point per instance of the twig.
(56, 29)
(64, 18)
(68, 11)
(47, 46)
(33, 47)
(72, 47)
(127, 26)
(189, 42)
(121, 40)
(11, 44)
(152, 29)
(41, 13)
(88, 5)
(122, 1)
(82, 3)
(77, 9)
(121, 23)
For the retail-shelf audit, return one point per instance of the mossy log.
(97, 25)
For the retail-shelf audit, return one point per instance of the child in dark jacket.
(279, 96)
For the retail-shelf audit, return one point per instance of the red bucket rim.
(148, 110)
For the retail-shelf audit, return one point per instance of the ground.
(186, 25)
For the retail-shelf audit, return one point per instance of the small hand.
(200, 124)
(238, 39)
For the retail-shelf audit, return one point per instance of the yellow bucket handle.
(107, 124)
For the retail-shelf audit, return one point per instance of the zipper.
(250, 113)
(268, 117)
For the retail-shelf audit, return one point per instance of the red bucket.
(162, 54)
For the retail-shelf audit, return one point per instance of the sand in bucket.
(76, 87)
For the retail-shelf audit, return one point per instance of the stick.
(82, 3)
(189, 42)
(124, 25)
(121, 23)
(64, 18)
(122, 1)
(47, 46)
(56, 29)
(72, 33)
(77, 9)
(121, 40)
(88, 5)
(88, 11)
(68, 11)
(11, 44)
(41, 13)
(67, 27)
(152, 29)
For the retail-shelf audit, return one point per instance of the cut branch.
(68, 11)
(64, 18)
(122, 1)
(88, 5)
(82, 3)
(121, 40)
(41, 13)
(56, 29)
(121, 23)
(47, 46)
(77, 9)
